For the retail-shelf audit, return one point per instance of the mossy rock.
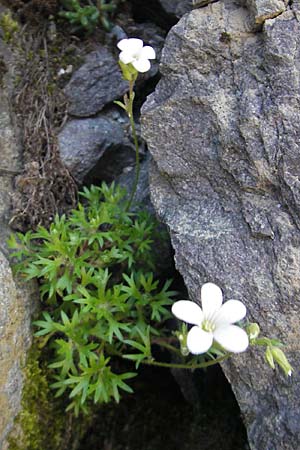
(42, 423)
(39, 425)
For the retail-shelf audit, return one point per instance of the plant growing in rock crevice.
(101, 298)
(102, 303)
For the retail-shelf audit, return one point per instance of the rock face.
(223, 127)
(16, 301)
(83, 142)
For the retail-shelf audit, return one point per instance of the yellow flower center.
(208, 326)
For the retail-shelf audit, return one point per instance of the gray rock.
(17, 302)
(142, 195)
(223, 127)
(83, 142)
(163, 252)
(177, 7)
(96, 83)
(266, 9)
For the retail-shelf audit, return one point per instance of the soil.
(158, 417)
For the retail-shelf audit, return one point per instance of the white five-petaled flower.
(133, 52)
(214, 322)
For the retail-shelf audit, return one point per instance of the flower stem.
(136, 144)
(186, 366)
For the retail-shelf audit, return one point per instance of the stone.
(142, 195)
(266, 9)
(17, 301)
(96, 83)
(83, 142)
(163, 252)
(223, 128)
(177, 7)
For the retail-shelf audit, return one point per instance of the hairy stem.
(136, 144)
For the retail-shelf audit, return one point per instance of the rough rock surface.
(97, 82)
(162, 250)
(223, 127)
(142, 195)
(16, 301)
(266, 9)
(83, 142)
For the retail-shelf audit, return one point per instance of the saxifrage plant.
(101, 299)
(102, 303)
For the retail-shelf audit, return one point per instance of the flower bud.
(269, 357)
(279, 356)
(253, 331)
(184, 350)
(182, 337)
(128, 71)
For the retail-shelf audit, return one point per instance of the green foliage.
(9, 26)
(102, 302)
(89, 16)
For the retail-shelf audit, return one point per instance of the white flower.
(133, 52)
(214, 322)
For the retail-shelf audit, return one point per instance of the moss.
(9, 26)
(42, 423)
(39, 425)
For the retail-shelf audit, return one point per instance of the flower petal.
(126, 57)
(188, 311)
(122, 44)
(232, 338)
(141, 65)
(198, 340)
(148, 52)
(231, 312)
(132, 45)
(211, 299)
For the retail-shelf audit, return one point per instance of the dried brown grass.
(45, 188)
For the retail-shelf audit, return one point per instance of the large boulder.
(17, 301)
(17, 304)
(223, 127)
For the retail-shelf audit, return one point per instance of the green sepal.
(128, 71)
